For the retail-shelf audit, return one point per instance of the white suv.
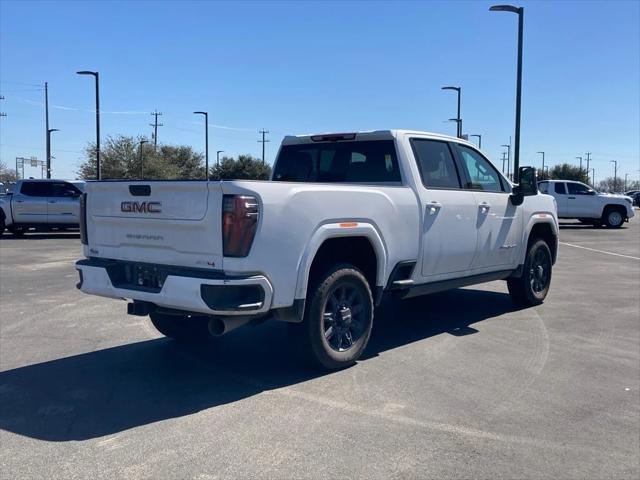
(577, 200)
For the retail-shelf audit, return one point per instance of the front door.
(448, 212)
(498, 221)
(581, 200)
(63, 204)
(29, 205)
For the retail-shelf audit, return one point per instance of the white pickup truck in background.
(345, 219)
(577, 200)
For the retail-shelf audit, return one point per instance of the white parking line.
(600, 251)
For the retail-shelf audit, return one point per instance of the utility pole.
(508, 147)
(588, 154)
(155, 126)
(504, 158)
(615, 175)
(263, 141)
(47, 132)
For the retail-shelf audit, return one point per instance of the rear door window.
(372, 161)
(436, 164)
(36, 189)
(559, 188)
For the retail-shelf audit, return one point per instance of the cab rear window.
(373, 161)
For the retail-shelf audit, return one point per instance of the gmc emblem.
(141, 207)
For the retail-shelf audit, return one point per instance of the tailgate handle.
(140, 190)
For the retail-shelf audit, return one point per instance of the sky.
(308, 67)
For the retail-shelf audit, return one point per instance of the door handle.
(484, 207)
(572, 198)
(53, 201)
(434, 207)
(19, 201)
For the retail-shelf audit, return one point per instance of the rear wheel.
(613, 217)
(338, 322)
(532, 287)
(184, 328)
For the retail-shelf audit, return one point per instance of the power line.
(263, 141)
(155, 126)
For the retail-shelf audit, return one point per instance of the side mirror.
(527, 187)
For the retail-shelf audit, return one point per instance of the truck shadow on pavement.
(115, 389)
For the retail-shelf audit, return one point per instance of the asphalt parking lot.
(456, 385)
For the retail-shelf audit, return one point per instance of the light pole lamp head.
(53, 130)
(87, 72)
(457, 89)
(505, 8)
(200, 113)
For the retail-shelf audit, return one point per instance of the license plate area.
(137, 276)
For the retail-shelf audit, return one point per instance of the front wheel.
(613, 218)
(184, 328)
(338, 322)
(532, 287)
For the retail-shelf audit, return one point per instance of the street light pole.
(520, 12)
(458, 119)
(218, 156)
(49, 130)
(97, 78)
(580, 158)
(479, 140)
(542, 162)
(206, 142)
(142, 142)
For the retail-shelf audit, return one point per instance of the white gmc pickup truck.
(345, 219)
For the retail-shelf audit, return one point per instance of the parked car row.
(580, 201)
(40, 204)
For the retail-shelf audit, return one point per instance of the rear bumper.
(190, 290)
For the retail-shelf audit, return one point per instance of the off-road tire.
(183, 328)
(354, 320)
(532, 287)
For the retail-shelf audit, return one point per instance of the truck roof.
(368, 135)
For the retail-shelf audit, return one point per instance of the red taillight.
(239, 222)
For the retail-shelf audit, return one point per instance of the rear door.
(29, 205)
(448, 228)
(63, 204)
(559, 192)
(166, 222)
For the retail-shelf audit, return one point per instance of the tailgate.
(164, 222)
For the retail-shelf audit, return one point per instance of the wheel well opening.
(613, 206)
(357, 251)
(545, 232)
